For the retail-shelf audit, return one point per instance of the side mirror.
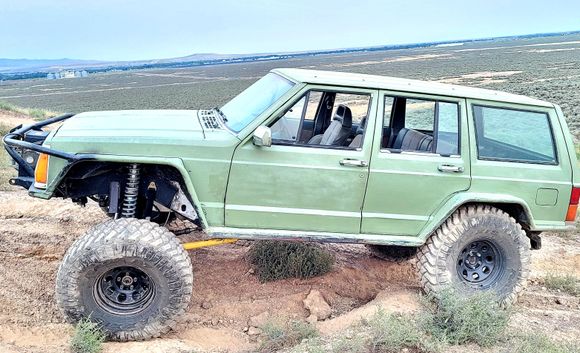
(263, 136)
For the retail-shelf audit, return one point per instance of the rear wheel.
(479, 248)
(131, 276)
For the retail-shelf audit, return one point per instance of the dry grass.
(277, 336)
(538, 342)
(34, 113)
(564, 283)
(6, 170)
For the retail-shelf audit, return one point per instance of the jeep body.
(296, 189)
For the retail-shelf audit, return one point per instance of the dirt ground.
(34, 235)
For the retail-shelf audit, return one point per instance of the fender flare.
(456, 201)
(176, 163)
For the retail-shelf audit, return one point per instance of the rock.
(560, 301)
(259, 320)
(317, 306)
(206, 304)
(214, 321)
(245, 329)
(312, 319)
(254, 331)
(191, 318)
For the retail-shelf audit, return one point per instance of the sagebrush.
(456, 319)
(274, 260)
(88, 337)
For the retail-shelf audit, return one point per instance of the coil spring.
(131, 192)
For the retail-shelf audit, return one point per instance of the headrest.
(344, 115)
(361, 127)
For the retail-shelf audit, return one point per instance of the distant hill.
(11, 69)
(23, 65)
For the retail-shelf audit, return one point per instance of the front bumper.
(16, 141)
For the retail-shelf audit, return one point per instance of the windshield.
(246, 106)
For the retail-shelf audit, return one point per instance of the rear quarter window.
(514, 135)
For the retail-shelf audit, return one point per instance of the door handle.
(448, 168)
(353, 163)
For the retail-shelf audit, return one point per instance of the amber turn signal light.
(41, 171)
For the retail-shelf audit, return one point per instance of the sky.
(144, 29)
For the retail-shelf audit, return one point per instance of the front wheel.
(479, 248)
(131, 276)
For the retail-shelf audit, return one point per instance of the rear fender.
(460, 199)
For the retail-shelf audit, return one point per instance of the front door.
(304, 182)
(422, 160)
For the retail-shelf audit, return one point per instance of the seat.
(412, 140)
(338, 131)
(357, 140)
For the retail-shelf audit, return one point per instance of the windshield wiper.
(221, 114)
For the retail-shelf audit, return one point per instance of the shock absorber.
(131, 192)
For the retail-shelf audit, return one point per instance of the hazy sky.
(140, 29)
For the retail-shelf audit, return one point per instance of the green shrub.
(567, 283)
(278, 336)
(274, 260)
(456, 319)
(392, 333)
(88, 337)
(537, 342)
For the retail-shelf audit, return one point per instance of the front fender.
(58, 169)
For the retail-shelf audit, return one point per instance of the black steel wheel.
(130, 275)
(477, 248)
(124, 290)
(480, 263)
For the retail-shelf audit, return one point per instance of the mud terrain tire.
(392, 252)
(131, 276)
(477, 248)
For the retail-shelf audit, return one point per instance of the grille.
(209, 119)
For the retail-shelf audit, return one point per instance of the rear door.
(420, 159)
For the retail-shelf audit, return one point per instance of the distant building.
(67, 74)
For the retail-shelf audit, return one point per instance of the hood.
(133, 124)
(170, 133)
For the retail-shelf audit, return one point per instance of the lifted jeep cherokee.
(470, 177)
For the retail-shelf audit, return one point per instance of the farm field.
(228, 297)
(546, 68)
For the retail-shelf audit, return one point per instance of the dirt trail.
(34, 235)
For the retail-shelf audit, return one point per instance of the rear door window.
(514, 135)
(421, 125)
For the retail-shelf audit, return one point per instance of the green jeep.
(469, 177)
